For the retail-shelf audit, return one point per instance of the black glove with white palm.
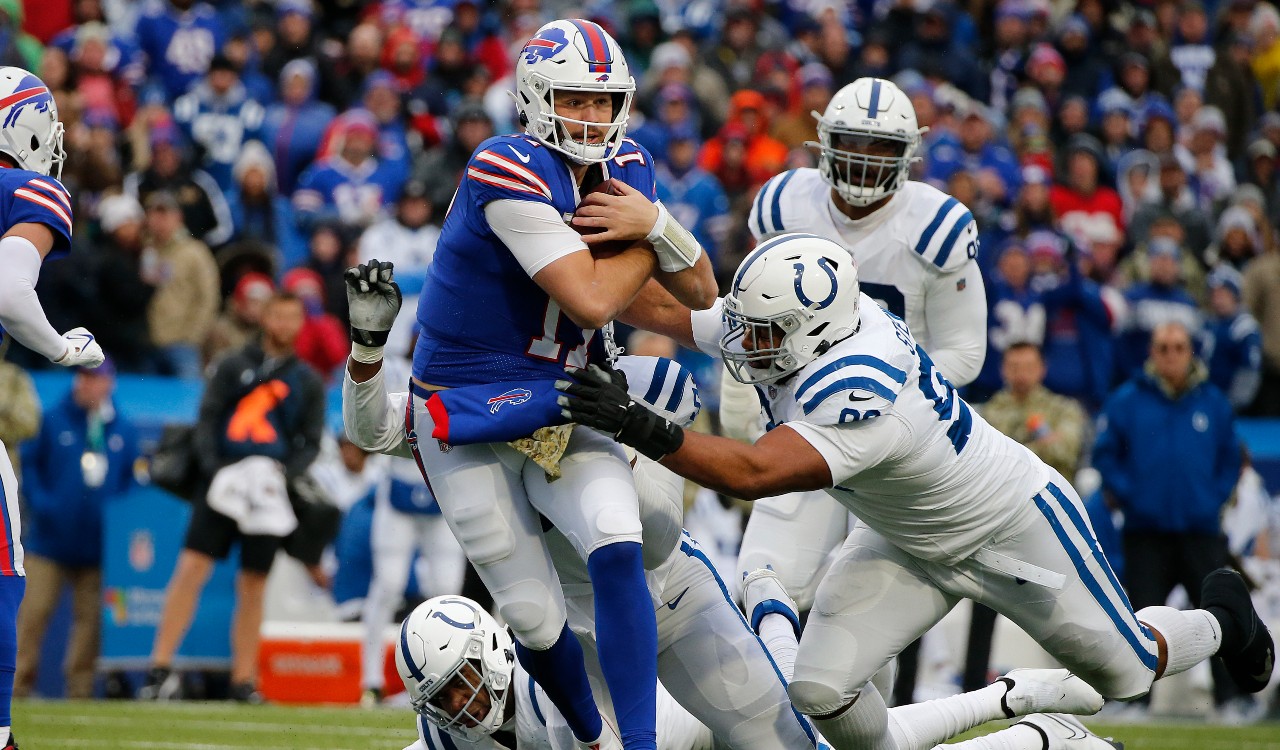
(597, 397)
(373, 300)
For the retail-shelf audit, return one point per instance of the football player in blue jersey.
(35, 216)
(514, 296)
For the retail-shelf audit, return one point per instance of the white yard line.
(239, 726)
(144, 745)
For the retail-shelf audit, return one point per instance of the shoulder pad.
(943, 233)
(509, 164)
(768, 215)
(849, 388)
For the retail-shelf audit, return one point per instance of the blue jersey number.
(887, 295)
(950, 407)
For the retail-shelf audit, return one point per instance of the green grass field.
(222, 726)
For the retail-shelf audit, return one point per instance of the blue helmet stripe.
(873, 108)
(404, 651)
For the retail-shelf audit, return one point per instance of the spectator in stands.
(1085, 68)
(1080, 320)
(1116, 129)
(178, 39)
(441, 168)
(181, 270)
(123, 294)
(1260, 290)
(1264, 31)
(219, 118)
(764, 155)
(364, 52)
(407, 239)
(382, 100)
(296, 40)
(977, 150)
(322, 342)
(258, 211)
(1231, 343)
(1169, 459)
(99, 79)
(19, 408)
(240, 320)
(692, 194)
(1260, 171)
(673, 108)
(673, 63)
(331, 251)
(1083, 199)
(1237, 238)
(17, 47)
(798, 126)
(1137, 181)
(295, 125)
(259, 427)
(350, 478)
(83, 457)
(1210, 175)
(1136, 267)
(1015, 315)
(734, 55)
(204, 208)
(1163, 298)
(350, 184)
(1176, 200)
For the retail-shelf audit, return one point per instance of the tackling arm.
(781, 461)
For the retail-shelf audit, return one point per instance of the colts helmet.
(30, 132)
(572, 55)
(438, 640)
(868, 112)
(796, 295)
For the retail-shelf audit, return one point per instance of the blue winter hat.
(1226, 276)
(1163, 246)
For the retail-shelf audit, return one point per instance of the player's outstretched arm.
(781, 461)
(371, 417)
(22, 249)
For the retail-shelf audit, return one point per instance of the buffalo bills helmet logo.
(514, 397)
(546, 45)
(31, 92)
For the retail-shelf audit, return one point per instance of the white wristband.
(366, 355)
(676, 248)
(659, 224)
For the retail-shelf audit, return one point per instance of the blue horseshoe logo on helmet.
(825, 265)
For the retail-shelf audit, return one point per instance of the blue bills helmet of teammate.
(456, 663)
(793, 297)
(573, 55)
(867, 139)
(30, 132)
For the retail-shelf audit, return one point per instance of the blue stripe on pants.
(1148, 659)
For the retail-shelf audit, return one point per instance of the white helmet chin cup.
(451, 639)
(30, 132)
(866, 111)
(573, 55)
(793, 297)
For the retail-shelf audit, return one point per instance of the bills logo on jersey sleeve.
(546, 45)
(514, 397)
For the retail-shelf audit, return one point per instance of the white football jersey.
(907, 455)
(915, 257)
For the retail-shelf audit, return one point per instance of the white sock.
(4, 734)
(779, 637)
(1190, 636)
(1016, 737)
(924, 725)
(866, 725)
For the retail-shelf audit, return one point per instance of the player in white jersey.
(949, 507)
(36, 224)
(708, 658)
(915, 247)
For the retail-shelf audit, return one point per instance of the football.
(607, 249)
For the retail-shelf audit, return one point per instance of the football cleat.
(1063, 732)
(163, 684)
(245, 692)
(12, 744)
(1247, 650)
(371, 698)
(1034, 691)
(763, 594)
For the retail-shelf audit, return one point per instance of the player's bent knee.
(614, 525)
(532, 614)
(814, 698)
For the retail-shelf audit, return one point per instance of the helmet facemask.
(865, 166)
(471, 676)
(568, 135)
(770, 357)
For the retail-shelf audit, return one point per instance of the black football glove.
(373, 298)
(599, 399)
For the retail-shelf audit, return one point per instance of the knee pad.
(532, 612)
(814, 698)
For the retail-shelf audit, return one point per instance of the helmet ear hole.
(35, 143)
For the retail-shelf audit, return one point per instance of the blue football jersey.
(483, 319)
(28, 197)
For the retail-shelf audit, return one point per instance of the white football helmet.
(795, 295)
(868, 113)
(438, 641)
(572, 55)
(30, 132)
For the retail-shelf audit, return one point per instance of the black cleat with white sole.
(1247, 650)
